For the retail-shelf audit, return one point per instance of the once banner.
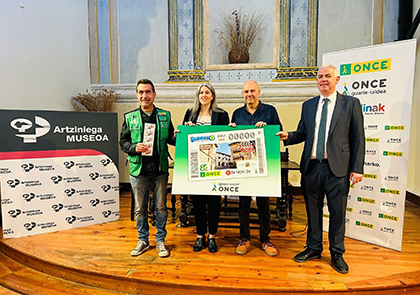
(57, 170)
(221, 160)
(381, 77)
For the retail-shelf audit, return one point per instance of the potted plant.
(239, 32)
(101, 100)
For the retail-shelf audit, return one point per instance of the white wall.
(44, 53)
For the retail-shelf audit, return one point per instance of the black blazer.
(218, 117)
(346, 136)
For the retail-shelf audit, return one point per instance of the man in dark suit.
(331, 125)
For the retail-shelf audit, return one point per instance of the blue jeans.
(140, 185)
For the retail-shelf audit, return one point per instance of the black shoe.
(307, 255)
(212, 245)
(200, 243)
(338, 263)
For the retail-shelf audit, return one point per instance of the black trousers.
(206, 212)
(263, 204)
(317, 182)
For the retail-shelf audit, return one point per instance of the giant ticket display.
(57, 170)
(221, 160)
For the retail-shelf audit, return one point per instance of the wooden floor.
(96, 260)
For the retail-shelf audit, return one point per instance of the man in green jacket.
(145, 135)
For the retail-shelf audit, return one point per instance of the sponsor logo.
(349, 209)
(28, 197)
(14, 213)
(366, 188)
(371, 127)
(210, 174)
(93, 175)
(228, 187)
(68, 164)
(372, 176)
(389, 217)
(108, 202)
(203, 167)
(105, 162)
(369, 139)
(13, 182)
(57, 207)
(365, 67)
(29, 225)
(94, 202)
(389, 204)
(372, 164)
(202, 138)
(5, 171)
(23, 124)
(106, 213)
(70, 219)
(27, 167)
(364, 224)
(366, 200)
(73, 207)
(69, 192)
(365, 212)
(389, 230)
(394, 127)
(378, 109)
(56, 179)
(394, 140)
(391, 178)
(371, 152)
(106, 187)
(392, 154)
(390, 191)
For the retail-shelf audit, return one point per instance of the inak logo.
(105, 187)
(105, 162)
(42, 127)
(14, 213)
(13, 182)
(94, 202)
(68, 164)
(27, 167)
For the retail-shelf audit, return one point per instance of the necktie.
(320, 145)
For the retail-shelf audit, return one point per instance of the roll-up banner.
(57, 170)
(381, 76)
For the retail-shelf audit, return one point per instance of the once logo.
(56, 179)
(70, 219)
(28, 197)
(30, 225)
(69, 192)
(57, 207)
(106, 187)
(94, 175)
(13, 182)
(23, 124)
(68, 164)
(14, 213)
(106, 213)
(105, 162)
(94, 202)
(27, 167)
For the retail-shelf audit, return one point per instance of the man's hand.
(260, 124)
(355, 177)
(141, 147)
(283, 135)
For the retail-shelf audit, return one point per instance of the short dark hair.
(145, 81)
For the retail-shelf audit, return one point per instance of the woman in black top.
(206, 112)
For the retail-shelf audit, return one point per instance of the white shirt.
(331, 104)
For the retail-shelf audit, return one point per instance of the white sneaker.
(162, 252)
(140, 248)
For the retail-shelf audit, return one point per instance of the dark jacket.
(218, 117)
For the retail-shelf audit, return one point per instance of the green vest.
(135, 125)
